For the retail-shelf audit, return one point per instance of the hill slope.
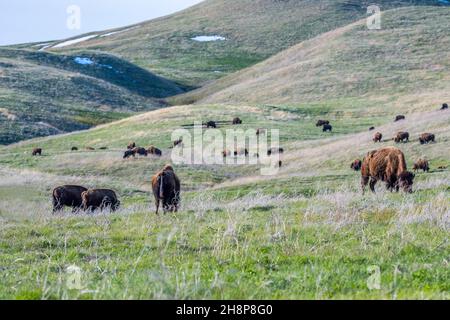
(43, 93)
(408, 56)
(254, 31)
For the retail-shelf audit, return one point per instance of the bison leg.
(372, 184)
(364, 182)
(157, 205)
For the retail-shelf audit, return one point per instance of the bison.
(102, 199)
(129, 153)
(237, 121)
(69, 196)
(327, 127)
(211, 124)
(131, 145)
(421, 164)
(444, 106)
(74, 149)
(37, 151)
(321, 123)
(166, 189)
(371, 128)
(388, 165)
(154, 151)
(377, 137)
(275, 151)
(426, 138)
(356, 165)
(399, 117)
(401, 137)
(140, 151)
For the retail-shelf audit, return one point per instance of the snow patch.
(83, 61)
(208, 38)
(74, 41)
(116, 32)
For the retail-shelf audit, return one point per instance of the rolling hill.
(43, 93)
(407, 57)
(253, 30)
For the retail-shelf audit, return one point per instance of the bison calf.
(102, 199)
(69, 196)
(377, 137)
(421, 164)
(166, 189)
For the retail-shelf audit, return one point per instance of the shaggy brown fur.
(426, 138)
(237, 121)
(322, 122)
(377, 137)
(102, 199)
(421, 164)
(166, 188)
(402, 137)
(356, 165)
(154, 151)
(388, 165)
(69, 196)
(37, 151)
(399, 117)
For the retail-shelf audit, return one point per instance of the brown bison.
(377, 137)
(102, 199)
(140, 151)
(356, 165)
(421, 164)
(322, 123)
(401, 137)
(426, 138)
(166, 189)
(131, 145)
(260, 131)
(37, 151)
(69, 196)
(154, 151)
(327, 127)
(211, 124)
(444, 106)
(237, 121)
(275, 151)
(399, 117)
(388, 165)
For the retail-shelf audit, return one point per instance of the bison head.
(406, 180)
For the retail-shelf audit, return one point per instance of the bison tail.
(161, 187)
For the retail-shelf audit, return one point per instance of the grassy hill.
(286, 233)
(43, 93)
(255, 30)
(408, 57)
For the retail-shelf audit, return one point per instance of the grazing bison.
(178, 142)
(401, 137)
(426, 138)
(421, 164)
(211, 124)
(69, 196)
(356, 165)
(260, 131)
(74, 149)
(102, 199)
(444, 106)
(166, 189)
(131, 145)
(275, 151)
(37, 151)
(140, 151)
(237, 121)
(154, 151)
(388, 165)
(371, 128)
(377, 137)
(327, 127)
(322, 123)
(129, 153)
(399, 117)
